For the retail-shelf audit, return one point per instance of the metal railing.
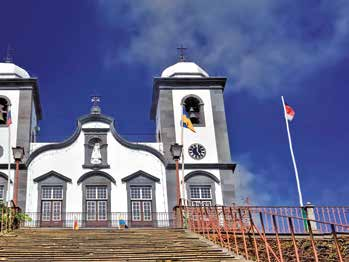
(112, 220)
(271, 233)
(9, 218)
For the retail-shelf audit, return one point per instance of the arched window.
(194, 108)
(4, 105)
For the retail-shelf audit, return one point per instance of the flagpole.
(292, 155)
(9, 158)
(182, 142)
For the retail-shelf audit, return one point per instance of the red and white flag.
(289, 112)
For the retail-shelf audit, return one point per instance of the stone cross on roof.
(95, 104)
(9, 57)
(181, 50)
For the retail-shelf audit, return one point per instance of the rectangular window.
(96, 192)
(147, 210)
(141, 193)
(57, 210)
(136, 210)
(135, 193)
(201, 195)
(2, 193)
(102, 210)
(91, 210)
(52, 192)
(46, 211)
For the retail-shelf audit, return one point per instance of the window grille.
(2, 193)
(201, 195)
(52, 192)
(141, 193)
(96, 192)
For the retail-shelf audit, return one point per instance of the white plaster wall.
(13, 96)
(123, 162)
(204, 135)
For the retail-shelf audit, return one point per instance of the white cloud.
(264, 46)
(246, 185)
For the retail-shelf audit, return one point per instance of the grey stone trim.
(90, 118)
(4, 176)
(96, 180)
(188, 74)
(100, 135)
(18, 83)
(95, 174)
(220, 166)
(53, 181)
(222, 142)
(227, 186)
(52, 173)
(202, 180)
(183, 83)
(201, 173)
(24, 137)
(3, 182)
(140, 173)
(141, 180)
(13, 166)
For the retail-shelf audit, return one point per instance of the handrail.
(230, 226)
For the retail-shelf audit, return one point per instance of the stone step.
(158, 245)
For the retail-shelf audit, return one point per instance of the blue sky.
(269, 48)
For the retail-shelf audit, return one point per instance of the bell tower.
(185, 88)
(18, 94)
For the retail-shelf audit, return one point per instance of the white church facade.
(96, 176)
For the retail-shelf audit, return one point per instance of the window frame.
(7, 105)
(201, 201)
(2, 195)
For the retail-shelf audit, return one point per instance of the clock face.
(197, 151)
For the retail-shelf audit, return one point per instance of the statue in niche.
(96, 157)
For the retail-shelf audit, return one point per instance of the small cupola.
(9, 70)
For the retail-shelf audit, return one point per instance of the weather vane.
(181, 50)
(9, 57)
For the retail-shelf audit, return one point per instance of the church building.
(96, 176)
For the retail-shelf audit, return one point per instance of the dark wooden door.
(141, 214)
(51, 213)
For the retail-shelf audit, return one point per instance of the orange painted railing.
(263, 229)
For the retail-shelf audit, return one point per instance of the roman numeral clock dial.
(197, 151)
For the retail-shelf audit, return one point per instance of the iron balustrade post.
(234, 230)
(333, 228)
(219, 227)
(290, 223)
(243, 233)
(226, 227)
(265, 237)
(277, 238)
(253, 235)
(312, 241)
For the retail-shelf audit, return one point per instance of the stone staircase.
(163, 245)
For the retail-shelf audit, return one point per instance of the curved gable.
(99, 118)
(201, 173)
(96, 173)
(4, 176)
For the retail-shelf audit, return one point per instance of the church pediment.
(95, 126)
